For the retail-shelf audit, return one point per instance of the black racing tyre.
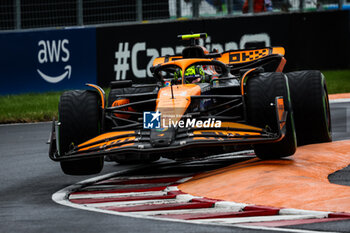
(261, 92)
(311, 106)
(79, 116)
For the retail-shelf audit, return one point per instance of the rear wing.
(243, 56)
(233, 56)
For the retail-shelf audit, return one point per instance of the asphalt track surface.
(29, 178)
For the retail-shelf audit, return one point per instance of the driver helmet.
(193, 74)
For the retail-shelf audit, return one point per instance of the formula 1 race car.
(202, 103)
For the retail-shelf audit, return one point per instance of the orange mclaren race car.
(201, 104)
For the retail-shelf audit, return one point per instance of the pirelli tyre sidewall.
(311, 106)
(261, 91)
(79, 117)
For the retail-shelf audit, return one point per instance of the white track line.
(183, 198)
(188, 211)
(334, 101)
(258, 219)
(126, 186)
(229, 204)
(171, 188)
(115, 195)
(305, 212)
(134, 203)
(183, 180)
(262, 228)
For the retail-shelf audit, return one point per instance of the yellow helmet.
(193, 74)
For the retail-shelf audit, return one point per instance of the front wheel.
(311, 106)
(261, 92)
(79, 116)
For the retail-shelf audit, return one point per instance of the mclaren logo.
(54, 52)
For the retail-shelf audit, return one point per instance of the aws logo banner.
(47, 60)
(67, 58)
(54, 51)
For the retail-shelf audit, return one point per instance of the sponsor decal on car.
(151, 120)
(155, 120)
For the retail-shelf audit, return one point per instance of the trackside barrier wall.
(52, 60)
(317, 40)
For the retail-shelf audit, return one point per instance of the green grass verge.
(29, 107)
(338, 81)
(43, 107)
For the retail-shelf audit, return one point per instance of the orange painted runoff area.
(339, 96)
(300, 181)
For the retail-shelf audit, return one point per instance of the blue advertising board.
(50, 60)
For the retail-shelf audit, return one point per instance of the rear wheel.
(261, 92)
(311, 107)
(79, 121)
